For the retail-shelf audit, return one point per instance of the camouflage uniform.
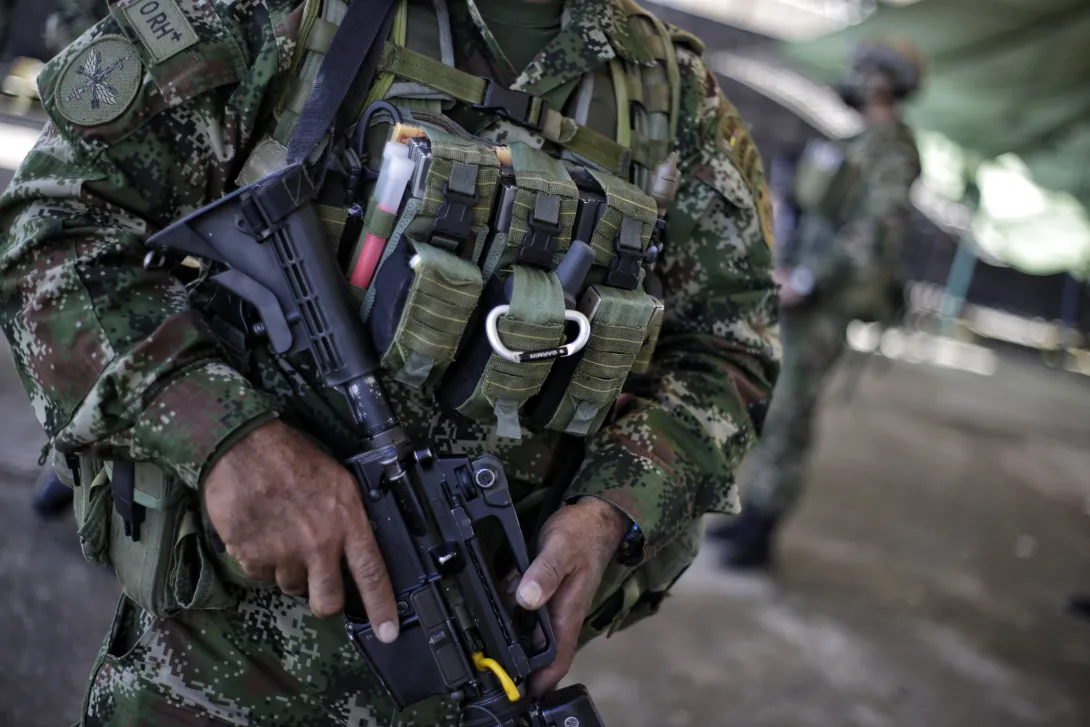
(854, 271)
(117, 363)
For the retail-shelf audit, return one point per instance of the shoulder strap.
(345, 74)
(648, 94)
(518, 107)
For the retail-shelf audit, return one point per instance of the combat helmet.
(898, 58)
(896, 62)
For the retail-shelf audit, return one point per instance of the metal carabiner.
(572, 347)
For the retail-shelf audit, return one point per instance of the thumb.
(545, 574)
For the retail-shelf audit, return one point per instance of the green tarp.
(1008, 84)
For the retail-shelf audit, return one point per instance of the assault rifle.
(264, 243)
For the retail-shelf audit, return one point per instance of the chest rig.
(517, 279)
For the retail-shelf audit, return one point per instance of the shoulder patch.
(734, 139)
(98, 83)
(765, 214)
(160, 26)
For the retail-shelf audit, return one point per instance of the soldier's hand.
(577, 544)
(289, 513)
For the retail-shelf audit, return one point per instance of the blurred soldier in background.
(841, 220)
(70, 20)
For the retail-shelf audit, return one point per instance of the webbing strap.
(673, 78)
(407, 63)
(345, 75)
(467, 88)
(649, 152)
(621, 85)
(625, 201)
(380, 222)
(444, 292)
(617, 334)
(534, 322)
(620, 322)
(544, 208)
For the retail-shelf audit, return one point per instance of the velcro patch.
(161, 27)
(99, 82)
(736, 142)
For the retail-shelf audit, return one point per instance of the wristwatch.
(630, 552)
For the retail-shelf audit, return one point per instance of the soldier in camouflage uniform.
(839, 264)
(118, 365)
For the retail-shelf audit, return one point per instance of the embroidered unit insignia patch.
(161, 26)
(100, 82)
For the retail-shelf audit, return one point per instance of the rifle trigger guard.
(568, 349)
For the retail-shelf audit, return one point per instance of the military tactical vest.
(493, 214)
(490, 217)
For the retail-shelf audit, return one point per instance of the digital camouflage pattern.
(119, 365)
(855, 274)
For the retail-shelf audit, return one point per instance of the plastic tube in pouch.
(389, 191)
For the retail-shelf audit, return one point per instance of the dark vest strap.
(346, 73)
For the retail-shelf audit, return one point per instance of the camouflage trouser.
(270, 662)
(813, 340)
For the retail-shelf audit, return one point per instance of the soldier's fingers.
(292, 579)
(546, 573)
(260, 572)
(567, 611)
(326, 588)
(369, 572)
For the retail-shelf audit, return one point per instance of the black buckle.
(624, 271)
(515, 106)
(123, 487)
(72, 460)
(455, 216)
(538, 248)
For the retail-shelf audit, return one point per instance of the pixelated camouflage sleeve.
(670, 456)
(114, 360)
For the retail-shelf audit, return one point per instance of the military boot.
(747, 540)
(52, 497)
(1078, 605)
